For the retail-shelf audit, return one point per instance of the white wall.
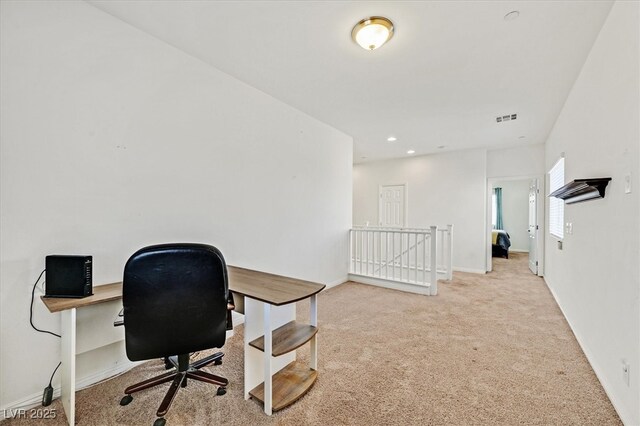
(442, 189)
(112, 140)
(595, 278)
(515, 211)
(525, 160)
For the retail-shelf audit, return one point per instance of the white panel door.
(392, 206)
(533, 226)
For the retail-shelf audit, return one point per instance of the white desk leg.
(314, 322)
(68, 354)
(267, 359)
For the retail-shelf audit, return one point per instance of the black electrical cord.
(47, 396)
(54, 373)
(33, 292)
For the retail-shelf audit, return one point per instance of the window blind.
(556, 206)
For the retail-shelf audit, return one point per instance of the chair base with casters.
(179, 377)
(172, 361)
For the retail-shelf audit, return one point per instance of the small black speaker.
(68, 276)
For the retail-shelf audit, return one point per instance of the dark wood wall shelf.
(579, 190)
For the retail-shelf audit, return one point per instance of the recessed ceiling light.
(392, 139)
(411, 151)
(511, 15)
(371, 33)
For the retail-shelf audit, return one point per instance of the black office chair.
(175, 302)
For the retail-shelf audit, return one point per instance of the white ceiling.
(449, 71)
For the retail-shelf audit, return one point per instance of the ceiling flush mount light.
(371, 33)
(411, 151)
(392, 139)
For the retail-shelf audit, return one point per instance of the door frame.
(405, 198)
(540, 217)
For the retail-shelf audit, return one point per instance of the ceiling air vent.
(506, 118)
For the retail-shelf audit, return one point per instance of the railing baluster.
(379, 254)
(434, 268)
(407, 253)
(409, 257)
(373, 247)
(372, 255)
(373, 251)
(355, 251)
(366, 256)
(392, 259)
(424, 259)
(415, 254)
(369, 251)
(366, 252)
(441, 247)
(369, 255)
(351, 250)
(386, 238)
(450, 254)
(361, 249)
(401, 249)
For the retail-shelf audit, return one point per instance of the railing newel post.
(434, 267)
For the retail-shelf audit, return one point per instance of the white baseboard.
(337, 282)
(625, 416)
(394, 285)
(237, 319)
(518, 250)
(35, 399)
(470, 270)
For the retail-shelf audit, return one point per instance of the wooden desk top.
(101, 294)
(273, 289)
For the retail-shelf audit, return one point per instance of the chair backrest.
(175, 300)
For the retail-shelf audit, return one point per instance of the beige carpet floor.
(489, 349)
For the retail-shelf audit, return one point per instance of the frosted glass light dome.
(373, 32)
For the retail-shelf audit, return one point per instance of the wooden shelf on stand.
(287, 338)
(289, 385)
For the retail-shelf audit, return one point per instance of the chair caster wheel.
(160, 422)
(126, 400)
(167, 364)
(221, 391)
(217, 362)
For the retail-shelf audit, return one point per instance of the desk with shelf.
(271, 335)
(70, 346)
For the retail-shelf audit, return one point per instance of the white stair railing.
(402, 255)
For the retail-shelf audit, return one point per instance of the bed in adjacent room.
(500, 243)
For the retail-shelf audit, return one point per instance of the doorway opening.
(515, 220)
